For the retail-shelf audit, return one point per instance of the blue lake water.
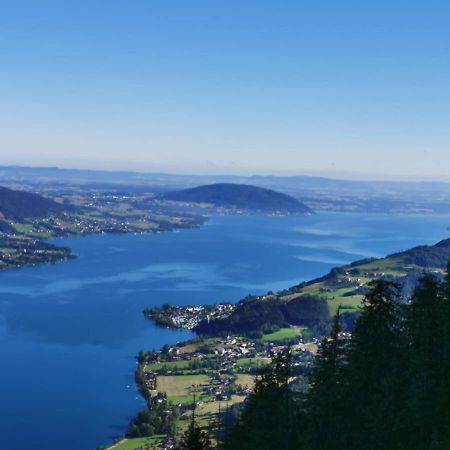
(69, 332)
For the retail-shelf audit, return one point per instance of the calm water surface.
(69, 332)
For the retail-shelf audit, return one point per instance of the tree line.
(388, 387)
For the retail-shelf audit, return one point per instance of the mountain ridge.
(240, 196)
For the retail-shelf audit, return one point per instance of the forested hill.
(311, 303)
(240, 196)
(255, 316)
(19, 205)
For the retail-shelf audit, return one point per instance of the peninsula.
(310, 304)
(235, 341)
(29, 219)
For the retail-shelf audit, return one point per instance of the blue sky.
(346, 89)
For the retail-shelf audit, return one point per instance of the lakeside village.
(23, 241)
(187, 317)
(218, 372)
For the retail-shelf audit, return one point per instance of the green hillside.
(18, 205)
(346, 286)
(311, 303)
(240, 196)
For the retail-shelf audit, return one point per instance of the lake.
(69, 332)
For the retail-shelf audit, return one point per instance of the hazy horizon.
(337, 177)
(348, 91)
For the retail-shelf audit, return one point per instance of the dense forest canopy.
(254, 316)
(19, 205)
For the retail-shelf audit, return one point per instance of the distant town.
(23, 237)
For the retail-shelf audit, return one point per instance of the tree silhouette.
(324, 398)
(195, 438)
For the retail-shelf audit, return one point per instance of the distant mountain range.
(318, 193)
(242, 197)
(18, 205)
(291, 184)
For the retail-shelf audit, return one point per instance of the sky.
(348, 89)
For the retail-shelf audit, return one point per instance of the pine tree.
(423, 367)
(442, 436)
(324, 398)
(369, 377)
(268, 419)
(195, 438)
(386, 388)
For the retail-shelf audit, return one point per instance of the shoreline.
(166, 239)
(48, 242)
(220, 371)
(158, 367)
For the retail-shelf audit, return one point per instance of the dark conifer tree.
(422, 376)
(386, 388)
(442, 436)
(195, 438)
(370, 396)
(323, 410)
(268, 420)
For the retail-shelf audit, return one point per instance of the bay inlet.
(69, 332)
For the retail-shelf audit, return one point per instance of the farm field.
(283, 334)
(180, 388)
(169, 365)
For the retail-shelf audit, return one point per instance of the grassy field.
(133, 444)
(213, 407)
(243, 363)
(207, 412)
(192, 347)
(283, 334)
(245, 380)
(179, 389)
(28, 230)
(352, 303)
(189, 399)
(7, 250)
(348, 297)
(390, 266)
(343, 286)
(168, 365)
